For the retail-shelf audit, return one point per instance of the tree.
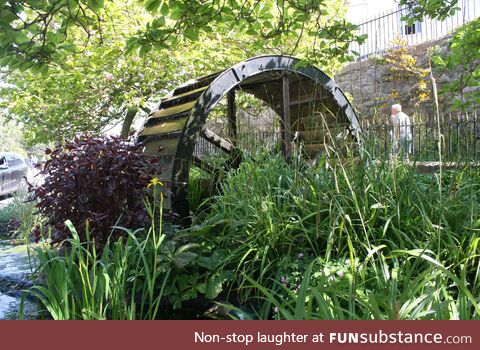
(401, 65)
(11, 136)
(89, 90)
(83, 94)
(440, 9)
(34, 32)
(102, 71)
(462, 60)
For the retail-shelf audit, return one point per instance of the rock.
(15, 277)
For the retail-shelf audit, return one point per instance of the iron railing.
(457, 135)
(459, 139)
(384, 28)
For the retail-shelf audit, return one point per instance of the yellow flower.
(422, 85)
(154, 182)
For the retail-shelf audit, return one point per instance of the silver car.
(14, 172)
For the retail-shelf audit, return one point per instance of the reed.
(349, 240)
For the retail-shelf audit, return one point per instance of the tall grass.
(201, 186)
(21, 214)
(121, 281)
(403, 244)
(287, 240)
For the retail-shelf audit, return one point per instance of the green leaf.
(182, 259)
(268, 24)
(438, 61)
(98, 4)
(159, 22)
(176, 14)
(20, 38)
(214, 286)
(191, 33)
(152, 5)
(56, 37)
(206, 262)
(201, 288)
(277, 41)
(4, 61)
(457, 104)
(144, 50)
(302, 294)
(164, 9)
(131, 46)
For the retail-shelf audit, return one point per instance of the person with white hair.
(391, 127)
(402, 130)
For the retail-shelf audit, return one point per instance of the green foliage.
(11, 136)
(87, 68)
(90, 90)
(22, 214)
(382, 287)
(462, 59)
(195, 272)
(279, 24)
(118, 283)
(122, 281)
(401, 65)
(201, 186)
(92, 64)
(35, 32)
(369, 232)
(440, 9)
(336, 240)
(138, 276)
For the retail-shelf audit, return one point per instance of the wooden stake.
(285, 121)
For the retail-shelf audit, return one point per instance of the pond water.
(15, 277)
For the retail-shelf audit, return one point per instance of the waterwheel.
(309, 105)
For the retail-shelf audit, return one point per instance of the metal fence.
(384, 28)
(459, 140)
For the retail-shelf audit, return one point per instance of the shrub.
(201, 187)
(142, 275)
(384, 242)
(96, 183)
(20, 215)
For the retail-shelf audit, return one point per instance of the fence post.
(232, 115)
(285, 118)
(475, 136)
(386, 148)
(467, 134)
(412, 127)
(427, 123)
(450, 145)
(458, 137)
(419, 148)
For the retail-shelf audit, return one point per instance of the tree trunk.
(127, 122)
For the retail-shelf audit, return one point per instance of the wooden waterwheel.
(309, 105)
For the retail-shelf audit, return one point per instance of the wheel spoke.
(217, 140)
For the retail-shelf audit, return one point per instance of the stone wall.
(369, 90)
